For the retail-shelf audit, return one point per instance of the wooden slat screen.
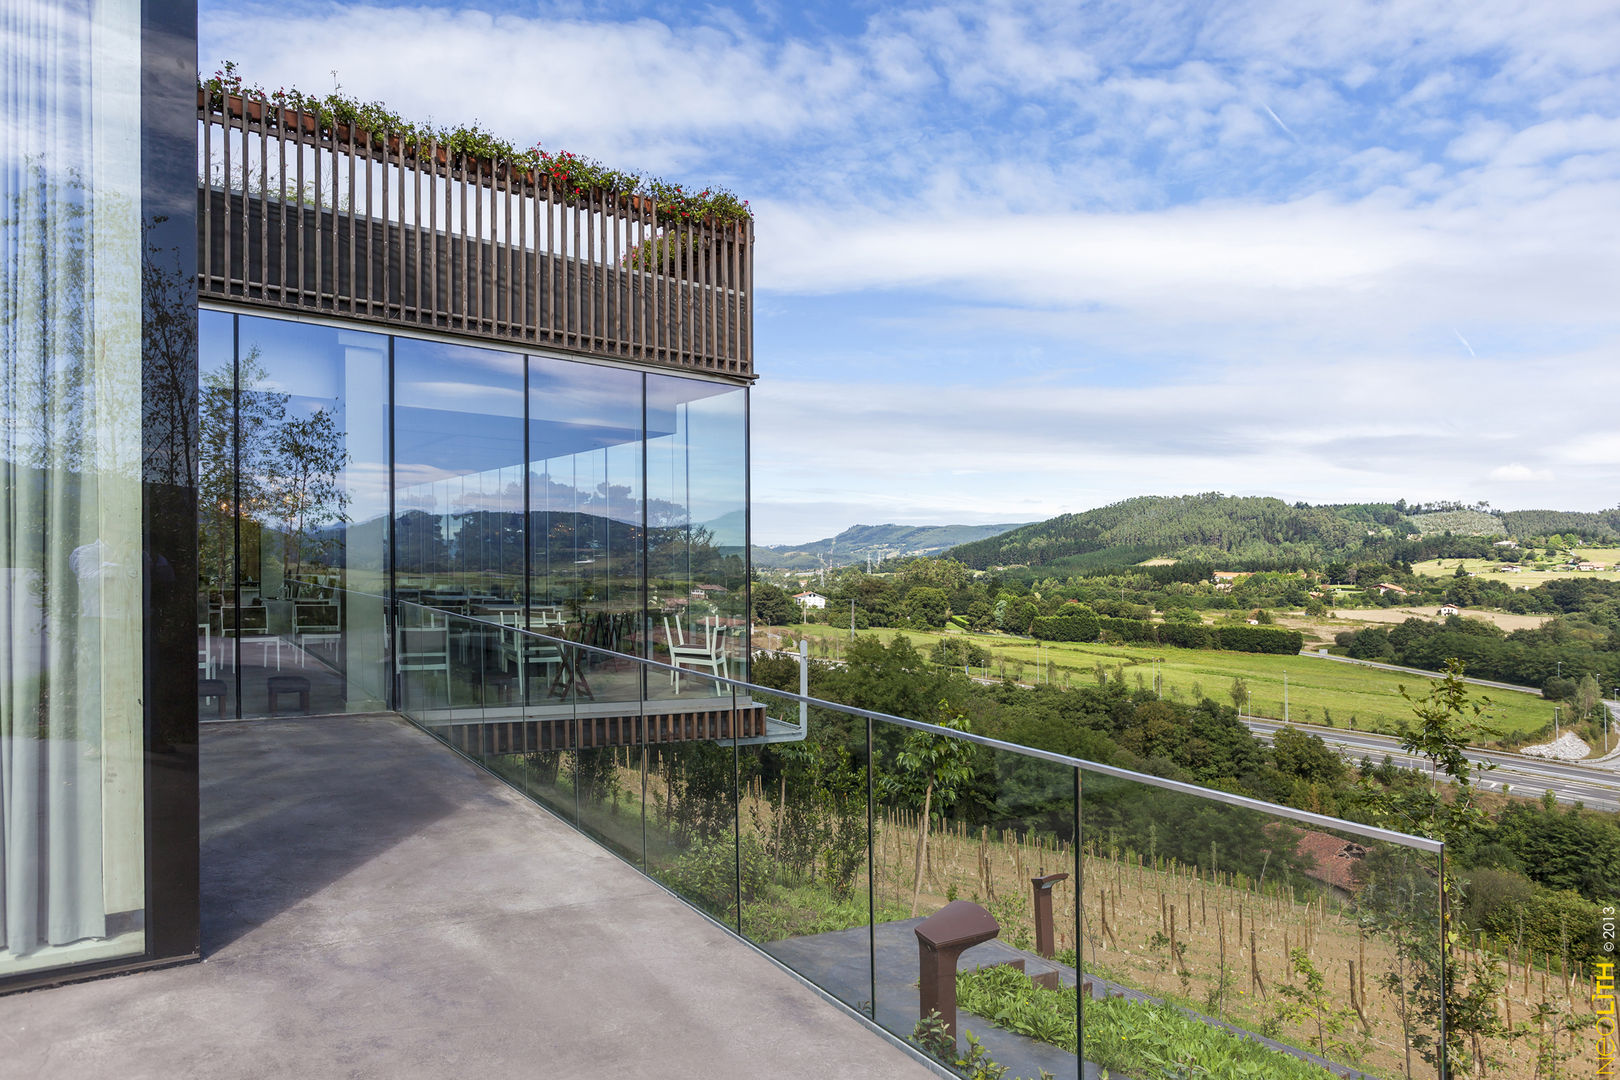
(345, 224)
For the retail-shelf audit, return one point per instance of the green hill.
(1602, 526)
(860, 542)
(1209, 526)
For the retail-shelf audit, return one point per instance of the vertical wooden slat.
(354, 223)
(448, 308)
(247, 218)
(748, 293)
(298, 199)
(478, 242)
(314, 143)
(592, 266)
(225, 214)
(371, 219)
(281, 194)
(432, 232)
(466, 252)
(711, 277)
(264, 194)
(546, 254)
(206, 115)
(522, 278)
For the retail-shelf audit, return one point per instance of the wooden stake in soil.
(1175, 959)
(1256, 983)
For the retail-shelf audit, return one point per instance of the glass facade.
(97, 285)
(339, 467)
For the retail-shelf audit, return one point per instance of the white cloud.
(1517, 473)
(1099, 189)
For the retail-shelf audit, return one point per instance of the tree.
(1587, 697)
(932, 767)
(305, 491)
(1239, 692)
(927, 606)
(772, 604)
(980, 616)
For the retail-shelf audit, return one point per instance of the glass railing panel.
(1248, 934)
(961, 822)
(805, 848)
(607, 764)
(691, 804)
(422, 667)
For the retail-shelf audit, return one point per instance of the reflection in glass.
(458, 414)
(72, 859)
(697, 578)
(293, 516)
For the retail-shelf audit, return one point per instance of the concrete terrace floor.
(374, 906)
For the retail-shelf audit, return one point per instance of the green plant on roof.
(572, 174)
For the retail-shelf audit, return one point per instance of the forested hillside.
(1604, 525)
(1261, 533)
(1210, 525)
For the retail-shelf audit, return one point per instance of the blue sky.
(1018, 259)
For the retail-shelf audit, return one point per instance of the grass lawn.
(1528, 578)
(1318, 689)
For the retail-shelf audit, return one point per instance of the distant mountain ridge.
(860, 542)
(1217, 527)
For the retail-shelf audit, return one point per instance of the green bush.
(1077, 625)
(1138, 630)
(1261, 639)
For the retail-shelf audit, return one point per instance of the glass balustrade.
(1141, 924)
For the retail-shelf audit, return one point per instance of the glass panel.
(805, 849)
(1234, 913)
(691, 800)
(72, 869)
(585, 506)
(607, 765)
(697, 520)
(313, 454)
(218, 667)
(458, 477)
(960, 822)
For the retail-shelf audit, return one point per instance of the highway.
(1596, 786)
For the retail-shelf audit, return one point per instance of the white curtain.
(70, 511)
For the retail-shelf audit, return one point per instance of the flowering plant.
(572, 174)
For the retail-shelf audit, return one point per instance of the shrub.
(1077, 625)
(1261, 639)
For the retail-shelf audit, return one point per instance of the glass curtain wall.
(507, 488)
(82, 589)
(292, 518)
(586, 509)
(697, 525)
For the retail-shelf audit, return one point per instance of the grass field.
(1318, 689)
(1528, 578)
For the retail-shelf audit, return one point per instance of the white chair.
(424, 647)
(525, 650)
(711, 653)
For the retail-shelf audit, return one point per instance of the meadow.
(1319, 690)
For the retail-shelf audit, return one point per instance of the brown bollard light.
(941, 940)
(1045, 945)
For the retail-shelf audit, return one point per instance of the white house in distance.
(810, 599)
(1449, 609)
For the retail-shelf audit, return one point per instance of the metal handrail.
(1306, 817)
